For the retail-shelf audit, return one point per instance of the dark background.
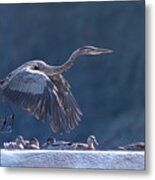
(108, 88)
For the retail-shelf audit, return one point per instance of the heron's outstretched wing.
(43, 97)
(32, 92)
(66, 100)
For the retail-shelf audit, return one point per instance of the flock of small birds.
(21, 143)
(51, 144)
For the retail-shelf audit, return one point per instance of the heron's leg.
(2, 113)
(6, 116)
(9, 117)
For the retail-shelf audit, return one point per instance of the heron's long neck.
(68, 64)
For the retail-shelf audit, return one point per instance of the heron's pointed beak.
(102, 51)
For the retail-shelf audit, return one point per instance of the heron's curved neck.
(68, 64)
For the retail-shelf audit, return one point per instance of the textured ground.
(133, 160)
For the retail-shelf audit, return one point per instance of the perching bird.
(53, 144)
(42, 90)
(21, 143)
(138, 146)
(90, 145)
(17, 144)
(32, 144)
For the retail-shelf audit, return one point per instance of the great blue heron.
(42, 90)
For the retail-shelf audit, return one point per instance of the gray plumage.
(42, 90)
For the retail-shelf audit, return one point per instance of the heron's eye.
(36, 68)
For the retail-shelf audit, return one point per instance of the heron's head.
(92, 140)
(92, 50)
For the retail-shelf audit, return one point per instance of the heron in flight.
(42, 90)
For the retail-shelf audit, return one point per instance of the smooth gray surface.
(73, 159)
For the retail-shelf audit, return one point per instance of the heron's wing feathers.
(32, 92)
(67, 101)
(59, 122)
(43, 97)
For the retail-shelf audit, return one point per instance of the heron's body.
(42, 90)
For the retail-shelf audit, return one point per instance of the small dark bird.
(42, 90)
(138, 146)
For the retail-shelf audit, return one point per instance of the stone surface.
(133, 160)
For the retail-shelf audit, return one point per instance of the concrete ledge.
(133, 160)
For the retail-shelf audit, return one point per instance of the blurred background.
(108, 88)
